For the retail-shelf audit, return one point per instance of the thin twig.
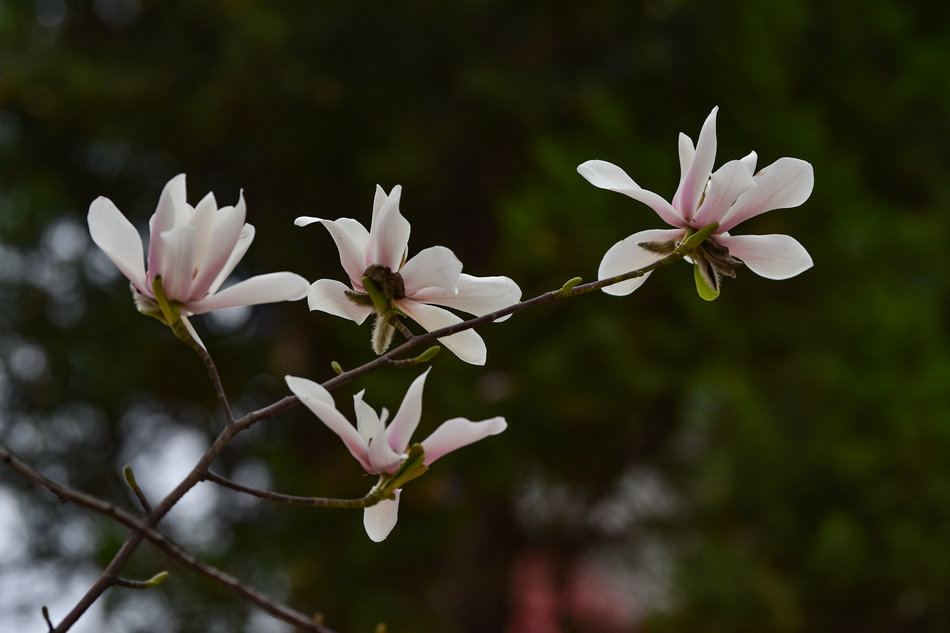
(319, 502)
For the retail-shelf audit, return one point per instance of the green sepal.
(705, 291)
(171, 311)
(157, 579)
(382, 304)
(694, 240)
(427, 355)
(411, 468)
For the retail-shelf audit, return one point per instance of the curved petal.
(389, 234)
(724, 188)
(267, 288)
(749, 160)
(476, 295)
(351, 240)
(694, 180)
(212, 257)
(119, 240)
(192, 331)
(380, 519)
(627, 255)
(407, 417)
(433, 267)
(608, 176)
(686, 151)
(459, 432)
(467, 345)
(769, 256)
(171, 202)
(320, 402)
(177, 248)
(784, 184)
(237, 253)
(329, 295)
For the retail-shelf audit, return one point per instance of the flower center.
(389, 284)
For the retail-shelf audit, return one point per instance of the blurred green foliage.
(800, 429)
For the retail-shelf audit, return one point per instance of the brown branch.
(317, 502)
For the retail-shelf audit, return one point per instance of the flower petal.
(458, 432)
(433, 267)
(320, 402)
(212, 258)
(351, 240)
(407, 417)
(177, 248)
(119, 240)
(267, 288)
(389, 234)
(627, 255)
(380, 519)
(476, 295)
(769, 256)
(171, 203)
(784, 184)
(725, 186)
(694, 180)
(467, 345)
(608, 176)
(237, 253)
(329, 295)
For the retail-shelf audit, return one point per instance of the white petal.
(476, 295)
(726, 185)
(749, 160)
(626, 256)
(433, 267)
(328, 295)
(215, 256)
(769, 256)
(608, 176)
(320, 402)
(389, 234)
(351, 239)
(458, 432)
(467, 345)
(407, 417)
(694, 180)
(267, 288)
(237, 253)
(784, 184)
(177, 249)
(380, 519)
(165, 218)
(119, 240)
(686, 151)
(192, 331)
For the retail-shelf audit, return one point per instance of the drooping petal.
(725, 186)
(329, 295)
(627, 255)
(267, 288)
(467, 345)
(407, 417)
(769, 256)
(177, 248)
(171, 200)
(380, 519)
(389, 234)
(119, 240)
(320, 402)
(192, 332)
(351, 240)
(608, 176)
(243, 243)
(216, 254)
(476, 295)
(433, 267)
(694, 180)
(458, 432)
(784, 184)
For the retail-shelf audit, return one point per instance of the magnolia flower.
(383, 450)
(433, 277)
(730, 195)
(193, 249)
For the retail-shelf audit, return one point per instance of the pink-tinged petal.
(379, 199)
(171, 203)
(458, 432)
(687, 152)
(320, 402)
(627, 255)
(433, 267)
(784, 184)
(380, 519)
(608, 176)
(389, 234)
(694, 180)
(215, 256)
(407, 417)
(467, 345)
(177, 248)
(119, 240)
(328, 295)
(769, 256)
(351, 240)
(267, 288)
(244, 240)
(476, 295)
(202, 220)
(724, 188)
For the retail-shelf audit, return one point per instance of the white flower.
(733, 194)
(382, 450)
(193, 249)
(433, 277)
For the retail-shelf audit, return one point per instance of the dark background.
(774, 461)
